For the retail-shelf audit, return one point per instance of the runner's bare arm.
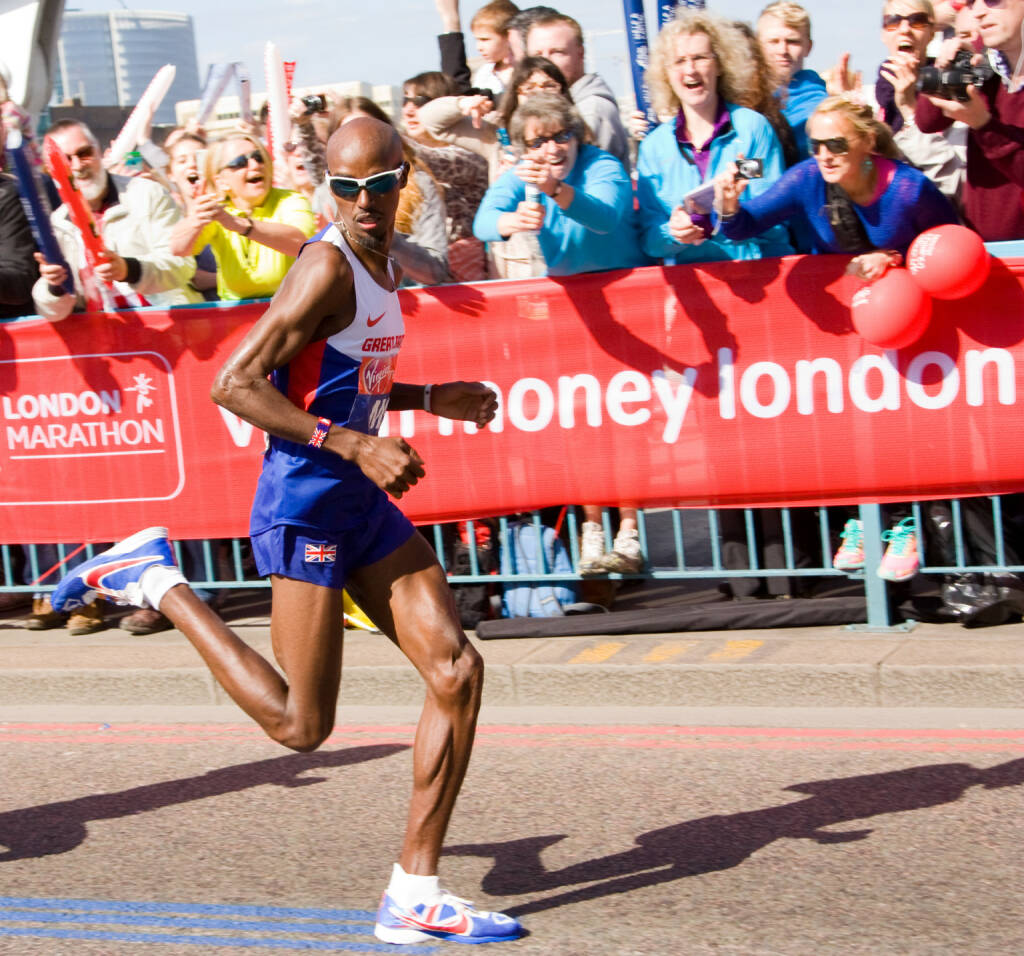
(315, 300)
(459, 401)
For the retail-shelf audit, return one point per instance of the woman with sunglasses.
(472, 123)
(461, 174)
(855, 196)
(908, 27)
(254, 229)
(700, 73)
(582, 214)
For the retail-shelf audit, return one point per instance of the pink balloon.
(949, 262)
(891, 312)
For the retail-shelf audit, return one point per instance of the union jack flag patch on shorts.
(321, 553)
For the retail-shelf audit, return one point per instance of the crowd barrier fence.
(684, 515)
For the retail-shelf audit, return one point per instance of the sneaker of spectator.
(850, 556)
(43, 617)
(88, 619)
(901, 559)
(625, 556)
(145, 621)
(592, 553)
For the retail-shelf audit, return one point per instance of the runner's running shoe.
(850, 555)
(900, 561)
(115, 573)
(446, 917)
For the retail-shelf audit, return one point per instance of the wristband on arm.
(323, 426)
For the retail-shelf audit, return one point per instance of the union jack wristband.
(323, 425)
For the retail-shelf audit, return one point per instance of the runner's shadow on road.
(60, 827)
(723, 842)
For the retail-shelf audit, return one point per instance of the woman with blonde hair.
(855, 195)
(701, 75)
(254, 229)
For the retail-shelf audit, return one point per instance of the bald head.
(361, 144)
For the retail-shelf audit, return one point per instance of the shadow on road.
(722, 842)
(59, 827)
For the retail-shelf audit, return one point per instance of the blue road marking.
(179, 922)
(215, 909)
(207, 941)
(294, 921)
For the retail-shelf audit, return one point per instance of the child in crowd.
(490, 30)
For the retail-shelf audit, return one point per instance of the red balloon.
(949, 262)
(891, 312)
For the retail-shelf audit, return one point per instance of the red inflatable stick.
(81, 215)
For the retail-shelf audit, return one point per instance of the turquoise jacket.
(597, 232)
(665, 175)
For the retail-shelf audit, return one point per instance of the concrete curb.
(931, 666)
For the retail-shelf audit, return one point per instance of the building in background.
(227, 111)
(108, 59)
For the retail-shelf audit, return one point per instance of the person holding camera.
(255, 229)
(908, 27)
(698, 74)
(992, 109)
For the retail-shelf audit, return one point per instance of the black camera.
(316, 103)
(951, 82)
(749, 168)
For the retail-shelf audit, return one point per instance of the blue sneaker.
(115, 573)
(447, 917)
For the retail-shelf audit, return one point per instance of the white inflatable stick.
(148, 103)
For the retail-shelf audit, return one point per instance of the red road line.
(559, 730)
(631, 737)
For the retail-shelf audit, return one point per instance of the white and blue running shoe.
(447, 918)
(115, 573)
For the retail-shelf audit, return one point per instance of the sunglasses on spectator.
(82, 153)
(561, 137)
(916, 21)
(290, 147)
(988, 3)
(242, 160)
(416, 101)
(836, 145)
(348, 187)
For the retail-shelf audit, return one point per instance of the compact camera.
(951, 82)
(702, 197)
(315, 103)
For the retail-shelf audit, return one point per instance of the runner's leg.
(307, 632)
(407, 596)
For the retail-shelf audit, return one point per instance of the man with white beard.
(134, 217)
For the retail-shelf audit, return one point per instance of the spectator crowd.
(525, 167)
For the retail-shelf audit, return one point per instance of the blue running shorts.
(328, 558)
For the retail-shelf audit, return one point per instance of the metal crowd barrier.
(680, 544)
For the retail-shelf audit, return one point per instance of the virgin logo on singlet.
(376, 375)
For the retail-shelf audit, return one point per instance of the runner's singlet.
(347, 378)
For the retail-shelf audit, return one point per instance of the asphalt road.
(889, 837)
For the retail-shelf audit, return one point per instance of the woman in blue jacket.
(582, 213)
(699, 71)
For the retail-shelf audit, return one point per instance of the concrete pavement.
(929, 666)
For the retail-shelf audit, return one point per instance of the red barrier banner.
(719, 385)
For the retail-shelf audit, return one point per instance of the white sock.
(407, 889)
(157, 581)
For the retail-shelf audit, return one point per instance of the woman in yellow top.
(254, 229)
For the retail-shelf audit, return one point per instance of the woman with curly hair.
(700, 73)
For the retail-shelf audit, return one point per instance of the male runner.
(315, 373)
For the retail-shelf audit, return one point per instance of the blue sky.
(385, 41)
